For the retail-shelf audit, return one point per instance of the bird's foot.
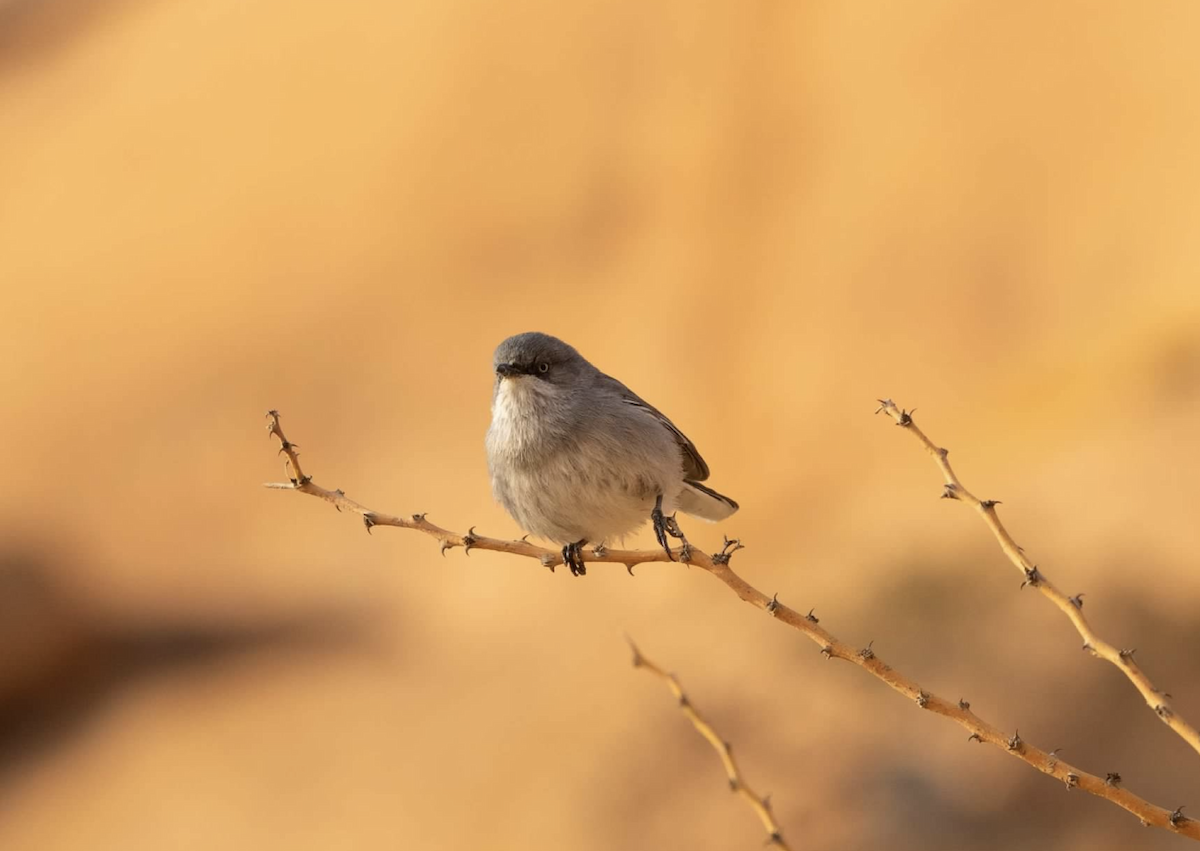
(672, 528)
(573, 558)
(661, 528)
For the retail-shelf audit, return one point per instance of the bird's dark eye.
(543, 367)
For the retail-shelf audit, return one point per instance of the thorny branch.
(761, 805)
(831, 648)
(1072, 607)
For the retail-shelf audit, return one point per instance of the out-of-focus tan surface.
(761, 216)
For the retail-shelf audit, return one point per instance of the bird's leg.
(660, 527)
(573, 558)
(672, 528)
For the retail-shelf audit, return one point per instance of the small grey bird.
(575, 456)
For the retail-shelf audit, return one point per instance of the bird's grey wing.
(694, 467)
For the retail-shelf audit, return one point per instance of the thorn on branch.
(884, 404)
(922, 699)
(943, 452)
(549, 561)
(963, 704)
(1032, 577)
(827, 651)
(975, 737)
(1076, 601)
(1072, 780)
(989, 504)
(867, 652)
(733, 784)
(773, 605)
(1015, 742)
(419, 518)
(1164, 711)
(1177, 817)
(469, 540)
(599, 551)
(727, 550)
(905, 418)
(811, 618)
(776, 838)
(1112, 779)
(629, 566)
(949, 491)
(1126, 655)
(446, 545)
(368, 521)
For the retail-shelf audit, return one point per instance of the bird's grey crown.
(534, 347)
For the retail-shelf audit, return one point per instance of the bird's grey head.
(537, 356)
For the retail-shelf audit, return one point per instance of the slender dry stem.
(717, 564)
(737, 783)
(1072, 607)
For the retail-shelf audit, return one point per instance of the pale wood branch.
(761, 805)
(1072, 607)
(717, 565)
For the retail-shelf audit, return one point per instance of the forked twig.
(718, 565)
(1072, 607)
(758, 803)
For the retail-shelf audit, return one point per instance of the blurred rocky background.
(762, 216)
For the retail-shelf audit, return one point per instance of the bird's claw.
(660, 528)
(672, 529)
(663, 527)
(573, 558)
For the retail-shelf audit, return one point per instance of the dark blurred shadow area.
(64, 658)
(35, 30)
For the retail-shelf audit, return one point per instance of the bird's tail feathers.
(705, 503)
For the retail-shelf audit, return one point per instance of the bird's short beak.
(507, 370)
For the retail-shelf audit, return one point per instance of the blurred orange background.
(761, 216)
